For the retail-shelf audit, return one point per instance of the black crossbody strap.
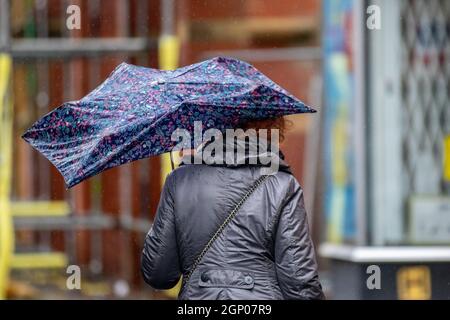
(228, 219)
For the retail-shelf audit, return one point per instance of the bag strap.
(228, 219)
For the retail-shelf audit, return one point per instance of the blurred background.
(374, 161)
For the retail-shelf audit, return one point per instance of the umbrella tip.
(308, 109)
(24, 135)
(225, 59)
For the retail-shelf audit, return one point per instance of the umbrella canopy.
(133, 113)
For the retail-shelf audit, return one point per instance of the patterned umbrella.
(133, 113)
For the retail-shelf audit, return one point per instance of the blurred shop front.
(387, 148)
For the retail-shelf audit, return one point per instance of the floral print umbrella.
(133, 113)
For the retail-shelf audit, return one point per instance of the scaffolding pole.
(4, 26)
(66, 48)
(168, 56)
(6, 225)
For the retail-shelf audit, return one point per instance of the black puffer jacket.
(264, 253)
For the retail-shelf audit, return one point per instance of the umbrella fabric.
(133, 113)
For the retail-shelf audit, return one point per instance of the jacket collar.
(238, 152)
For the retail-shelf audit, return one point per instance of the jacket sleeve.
(295, 260)
(160, 262)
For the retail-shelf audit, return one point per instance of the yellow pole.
(6, 225)
(447, 158)
(168, 53)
